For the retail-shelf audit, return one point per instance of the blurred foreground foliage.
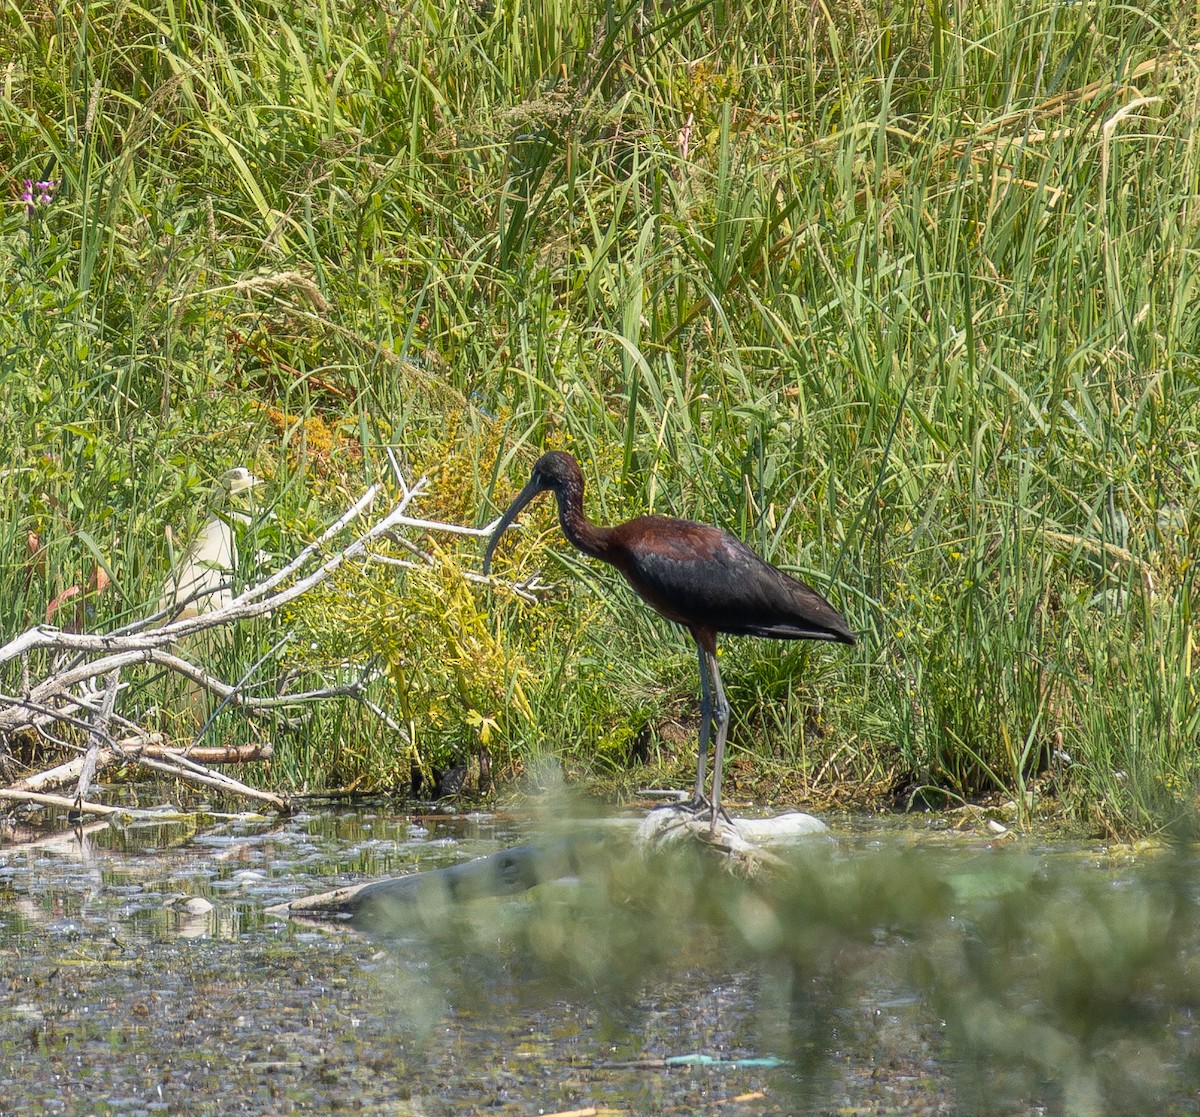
(993, 982)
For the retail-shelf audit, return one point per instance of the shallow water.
(890, 970)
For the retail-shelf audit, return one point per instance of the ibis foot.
(700, 807)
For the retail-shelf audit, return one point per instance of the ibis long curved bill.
(514, 510)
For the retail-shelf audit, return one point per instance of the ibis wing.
(704, 577)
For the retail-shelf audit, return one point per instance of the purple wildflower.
(38, 194)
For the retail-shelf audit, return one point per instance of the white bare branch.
(70, 691)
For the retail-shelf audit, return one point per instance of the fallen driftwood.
(127, 750)
(62, 802)
(167, 813)
(69, 686)
(398, 903)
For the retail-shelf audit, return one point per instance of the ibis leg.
(722, 717)
(699, 798)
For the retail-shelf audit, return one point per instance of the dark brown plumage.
(697, 575)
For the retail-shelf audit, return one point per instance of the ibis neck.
(584, 535)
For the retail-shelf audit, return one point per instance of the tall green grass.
(904, 295)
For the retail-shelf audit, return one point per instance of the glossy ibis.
(699, 576)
